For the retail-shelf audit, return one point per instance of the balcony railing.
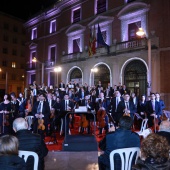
(33, 66)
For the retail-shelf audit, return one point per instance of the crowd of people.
(48, 106)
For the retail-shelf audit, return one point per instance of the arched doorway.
(135, 77)
(76, 75)
(102, 75)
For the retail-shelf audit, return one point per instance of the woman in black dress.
(5, 115)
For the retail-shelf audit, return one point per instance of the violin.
(41, 125)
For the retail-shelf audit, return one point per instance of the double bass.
(101, 113)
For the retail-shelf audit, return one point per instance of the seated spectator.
(9, 159)
(164, 129)
(154, 154)
(123, 137)
(29, 141)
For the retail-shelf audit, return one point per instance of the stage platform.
(63, 160)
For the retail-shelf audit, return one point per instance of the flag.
(100, 39)
(92, 42)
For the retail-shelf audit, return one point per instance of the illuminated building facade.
(59, 36)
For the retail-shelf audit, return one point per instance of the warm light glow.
(34, 59)
(23, 76)
(57, 69)
(94, 70)
(0, 69)
(140, 32)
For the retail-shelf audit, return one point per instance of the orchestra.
(108, 104)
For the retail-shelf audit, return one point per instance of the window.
(101, 6)
(4, 63)
(132, 29)
(15, 29)
(52, 26)
(5, 50)
(52, 53)
(76, 44)
(6, 26)
(6, 38)
(15, 40)
(3, 76)
(13, 64)
(13, 77)
(14, 52)
(34, 34)
(76, 16)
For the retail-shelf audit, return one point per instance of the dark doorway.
(135, 77)
(102, 75)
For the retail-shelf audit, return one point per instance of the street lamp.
(141, 33)
(6, 81)
(94, 70)
(57, 70)
(42, 69)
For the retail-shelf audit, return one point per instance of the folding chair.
(26, 154)
(126, 156)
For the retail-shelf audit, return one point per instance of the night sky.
(24, 9)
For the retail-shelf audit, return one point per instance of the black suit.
(113, 109)
(63, 113)
(32, 142)
(121, 106)
(45, 112)
(149, 111)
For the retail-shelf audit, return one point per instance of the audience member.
(154, 154)
(30, 142)
(164, 130)
(9, 159)
(123, 137)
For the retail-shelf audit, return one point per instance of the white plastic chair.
(26, 154)
(126, 155)
(143, 127)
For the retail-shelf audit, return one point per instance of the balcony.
(33, 66)
(115, 49)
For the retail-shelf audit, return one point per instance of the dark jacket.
(32, 142)
(150, 164)
(12, 162)
(121, 138)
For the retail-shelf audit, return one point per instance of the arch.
(70, 71)
(100, 63)
(141, 71)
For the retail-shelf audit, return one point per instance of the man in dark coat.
(123, 137)
(29, 141)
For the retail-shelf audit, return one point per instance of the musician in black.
(6, 116)
(41, 112)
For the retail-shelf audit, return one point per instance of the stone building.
(59, 37)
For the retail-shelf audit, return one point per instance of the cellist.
(85, 119)
(101, 111)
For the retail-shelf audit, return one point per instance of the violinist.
(85, 118)
(5, 115)
(102, 118)
(153, 111)
(41, 112)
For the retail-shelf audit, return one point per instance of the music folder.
(81, 109)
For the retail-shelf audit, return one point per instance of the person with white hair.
(29, 141)
(164, 129)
